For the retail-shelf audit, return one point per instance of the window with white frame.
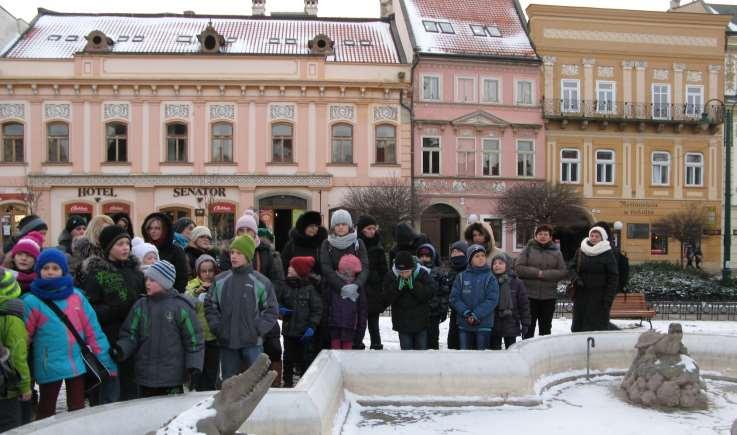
(465, 90)
(431, 155)
(604, 166)
(490, 91)
(492, 157)
(524, 93)
(570, 164)
(694, 169)
(466, 156)
(431, 88)
(661, 101)
(522, 236)
(569, 91)
(605, 93)
(694, 101)
(661, 168)
(525, 158)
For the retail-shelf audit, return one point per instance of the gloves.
(349, 291)
(285, 312)
(472, 320)
(307, 336)
(116, 353)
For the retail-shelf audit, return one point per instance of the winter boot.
(377, 347)
(277, 367)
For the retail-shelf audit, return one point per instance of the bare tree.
(529, 205)
(31, 195)
(685, 225)
(388, 200)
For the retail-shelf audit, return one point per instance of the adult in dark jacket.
(114, 282)
(200, 244)
(409, 288)
(343, 240)
(74, 229)
(368, 232)
(512, 313)
(457, 263)
(157, 230)
(305, 240)
(123, 220)
(594, 272)
(406, 239)
(29, 223)
(540, 266)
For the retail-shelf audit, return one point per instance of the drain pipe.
(590, 343)
(411, 109)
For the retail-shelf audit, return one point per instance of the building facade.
(632, 105)
(199, 116)
(478, 128)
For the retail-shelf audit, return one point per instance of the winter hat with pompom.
(141, 248)
(30, 244)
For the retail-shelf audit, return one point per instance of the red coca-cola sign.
(115, 207)
(222, 208)
(79, 208)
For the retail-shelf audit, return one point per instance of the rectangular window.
(13, 142)
(431, 88)
(386, 144)
(522, 236)
(638, 231)
(176, 142)
(658, 241)
(282, 150)
(478, 30)
(570, 96)
(57, 134)
(525, 158)
(694, 101)
(570, 162)
(430, 26)
(694, 169)
(446, 27)
(661, 168)
(222, 142)
(342, 143)
(466, 157)
(492, 162)
(661, 101)
(604, 167)
(497, 227)
(431, 155)
(605, 94)
(524, 93)
(116, 135)
(490, 91)
(465, 90)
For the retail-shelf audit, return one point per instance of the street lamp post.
(618, 225)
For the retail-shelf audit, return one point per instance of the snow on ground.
(562, 412)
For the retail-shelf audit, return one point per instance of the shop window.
(570, 163)
(12, 142)
(638, 231)
(222, 221)
(57, 135)
(176, 142)
(282, 143)
(492, 157)
(342, 149)
(116, 134)
(386, 143)
(222, 142)
(658, 241)
(431, 155)
(604, 167)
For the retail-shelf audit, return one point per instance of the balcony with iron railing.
(628, 112)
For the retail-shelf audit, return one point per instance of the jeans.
(496, 342)
(231, 360)
(416, 341)
(374, 331)
(474, 340)
(541, 311)
(9, 414)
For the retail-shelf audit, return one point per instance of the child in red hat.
(22, 258)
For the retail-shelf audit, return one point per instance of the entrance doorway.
(175, 213)
(11, 215)
(279, 213)
(441, 223)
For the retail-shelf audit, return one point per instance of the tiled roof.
(60, 36)
(501, 14)
(726, 10)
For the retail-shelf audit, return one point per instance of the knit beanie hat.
(31, 223)
(245, 245)
(364, 221)
(425, 250)
(75, 221)
(30, 244)
(264, 233)
(501, 257)
(302, 265)
(141, 248)
(163, 273)
(349, 265)
(52, 255)
(404, 261)
(473, 250)
(247, 221)
(460, 245)
(341, 217)
(204, 258)
(9, 288)
(201, 231)
(110, 235)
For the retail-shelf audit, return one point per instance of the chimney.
(311, 7)
(387, 8)
(674, 4)
(259, 7)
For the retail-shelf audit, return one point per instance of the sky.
(26, 9)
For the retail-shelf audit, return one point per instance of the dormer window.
(321, 44)
(210, 40)
(273, 40)
(290, 41)
(446, 27)
(123, 38)
(53, 38)
(430, 26)
(97, 41)
(493, 31)
(71, 38)
(349, 42)
(478, 30)
(184, 38)
(138, 38)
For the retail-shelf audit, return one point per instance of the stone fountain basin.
(317, 404)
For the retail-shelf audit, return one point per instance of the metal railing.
(634, 112)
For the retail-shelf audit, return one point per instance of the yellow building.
(632, 106)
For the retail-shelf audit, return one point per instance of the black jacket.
(193, 254)
(299, 245)
(597, 278)
(377, 271)
(168, 250)
(406, 239)
(508, 324)
(306, 303)
(410, 307)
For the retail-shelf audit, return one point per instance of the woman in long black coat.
(595, 272)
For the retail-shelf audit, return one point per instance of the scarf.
(505, 296)
(53, 288)
(25, 279)
(597, 249)
(343, 242)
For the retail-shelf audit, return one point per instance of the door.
(441, 223)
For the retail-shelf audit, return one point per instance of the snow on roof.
(469, 22)
(60, 36)
(726, 10)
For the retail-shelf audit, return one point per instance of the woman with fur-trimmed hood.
(305, 240)
(479, 233)
(157, 229)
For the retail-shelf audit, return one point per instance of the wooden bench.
(632, 306)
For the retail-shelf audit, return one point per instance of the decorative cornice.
(630, 38)
(179, 180)
(222, 111)
(660, 74)
(282, 111)
(640, 64)
(57, 111)
(606, 72)
(694, 76)
(116, 110)
(569, 70)
(549, 60)
(12, 110)
(344, 112)
(382, 113)
(176, 111)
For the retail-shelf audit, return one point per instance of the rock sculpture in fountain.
(663, 374)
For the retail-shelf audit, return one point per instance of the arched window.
(342, 143)
(116, 135)
(282, 143)
(222, 142)
(386, 143)
(176, 142)
(13, 142)
(57, 137)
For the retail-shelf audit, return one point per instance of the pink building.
(199, 116)
(478, 125)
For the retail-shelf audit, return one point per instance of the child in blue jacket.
(474, 297)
